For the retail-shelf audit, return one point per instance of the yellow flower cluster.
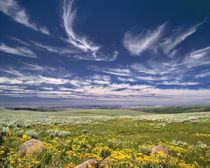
(70, 151)
(200, 134)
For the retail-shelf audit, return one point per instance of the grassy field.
(72, 136)
(175, 109)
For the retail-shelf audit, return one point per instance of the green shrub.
(32, 133)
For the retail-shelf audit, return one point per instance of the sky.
(88, 52)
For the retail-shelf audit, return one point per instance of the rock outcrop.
(31, 146)
(89, 163)
(159, 150)
(106, 162)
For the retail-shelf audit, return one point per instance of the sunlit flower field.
(124, 142)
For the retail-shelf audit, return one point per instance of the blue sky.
(139, 52)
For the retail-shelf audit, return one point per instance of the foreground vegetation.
(125, 136)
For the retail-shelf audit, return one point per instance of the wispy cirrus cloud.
(89, 50)
(44, 30)
(21, 51)
(179, 83)
(156, 40)
(77, 41)
(56, 49)
(170, 43)
(76, 47)
(197, 58)
(119, 94)
(136, 44)
(175, 71)
(96, 87)
(100, 56)
(202, 74)
(170, 73)
(28, 79)
(197, 54)
(18, 14)
(113, 71)
(35, 67)
(19, 75)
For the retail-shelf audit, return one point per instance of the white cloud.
(7, 80)
(21, 51)
(100, 80)
(112, 71)
(136, 44)
(202, 75)
(33, 80)
(35, 67)
(100, 56)
(171, 72)
(47, 88)
(200, 53)
(143, 69)
(115, 55)
(24, 77)
(126, 92)
(126, 79)
(166, 73)
(44, 30)
(13, 76)
(89, 50)
(197, 58)
(152, 68)
(11, 71)
(179, 83)
(77, 41)
(18, 14)
(58, 50)
(98, 87)
(176, 38)
(77, 47)
(154, 40)
(151, 78)
(11, 87)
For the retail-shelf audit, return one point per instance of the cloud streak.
(200, 53)
(112, 71)
(56, 49)
(156, 40)
(96, 87)
(89, 50)
(136, 44)
(21, 51)
(77, 41)
(18, 14)
(75, 46)
(178, 37)
(197, 58)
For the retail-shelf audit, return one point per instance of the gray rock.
(159, 150)
(91, 162)
(31, 146)
(106, 162)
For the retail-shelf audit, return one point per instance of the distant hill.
(48, 109)
(154, 110)
(40, 109)
(174, 109)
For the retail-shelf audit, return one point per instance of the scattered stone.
(106, 162)
(31, 146)
(88, 163)
(159, 150)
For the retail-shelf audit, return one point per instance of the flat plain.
(125, 136)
